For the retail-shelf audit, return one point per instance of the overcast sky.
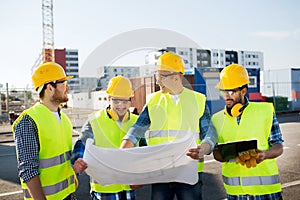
(269, 26)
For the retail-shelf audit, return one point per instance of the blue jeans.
(167, 191)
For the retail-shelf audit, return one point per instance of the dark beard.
(238, 101)
(59, 98)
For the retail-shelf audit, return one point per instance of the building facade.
(108, 72)
(68, 58)
(88, 84)
(214, 58)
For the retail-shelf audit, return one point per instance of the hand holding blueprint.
(143, 165)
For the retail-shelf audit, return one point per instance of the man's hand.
(218, 156)
(194, 152)
(199, 152)
(248, 158)
(80, 166)
(126, 144)
(275, 151)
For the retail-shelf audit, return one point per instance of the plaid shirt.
(274, 196)
(124, 195)
(27, 147)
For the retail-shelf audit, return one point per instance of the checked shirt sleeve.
(27, 147)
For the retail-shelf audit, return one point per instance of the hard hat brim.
(167, 68)
(68, 77)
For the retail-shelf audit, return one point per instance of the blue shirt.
(274, 196)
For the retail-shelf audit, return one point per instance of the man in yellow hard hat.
(249, 178)
(43, 137)
(169, 114)
(107, 127)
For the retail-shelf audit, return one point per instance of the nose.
(158, 80)
(67, 87)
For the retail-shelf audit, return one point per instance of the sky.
(269, 26)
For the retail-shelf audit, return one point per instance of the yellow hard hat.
(233, 76)
(48, 72)
(120, 87)
(170, 62)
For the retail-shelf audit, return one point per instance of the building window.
(204, 55)
(72, 53)
(253, 82)
(204, 62)
(72, 70)
(70, 58)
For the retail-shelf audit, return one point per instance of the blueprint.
(143, 165)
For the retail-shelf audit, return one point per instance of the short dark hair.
(42, 93)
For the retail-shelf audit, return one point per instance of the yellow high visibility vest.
(256, 122)
(108, 134)
(170, 120)
(55, 138)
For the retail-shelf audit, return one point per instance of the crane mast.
(48, 32)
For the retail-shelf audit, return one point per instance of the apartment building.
(108, 72)
(68, 59)
(215, 58)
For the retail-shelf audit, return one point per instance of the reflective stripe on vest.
(52, 189)
(45, 163)
(168, 133)
(264, 178)
(108, 134)
(250, 181)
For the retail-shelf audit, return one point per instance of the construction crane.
(48, 32)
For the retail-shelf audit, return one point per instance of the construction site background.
(15, 100)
